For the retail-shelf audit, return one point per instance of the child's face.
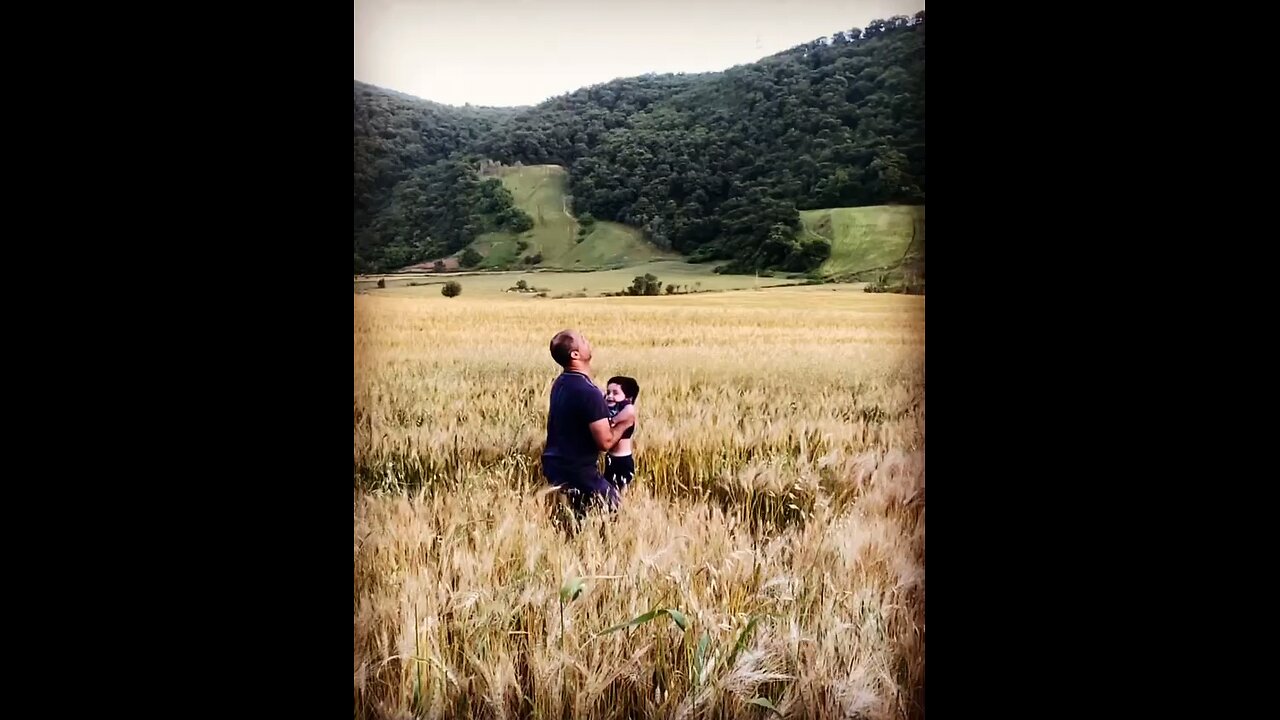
(613, 394)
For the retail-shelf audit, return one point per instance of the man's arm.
(606, 437)
(597, 417)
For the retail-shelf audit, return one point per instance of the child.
(620, 397)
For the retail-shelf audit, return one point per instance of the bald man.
(578, 427)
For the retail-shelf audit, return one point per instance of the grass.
(498, 248)
(770, 554)
(864, 240)
(610, 243)
(540, 191)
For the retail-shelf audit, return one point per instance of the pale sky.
(521, 52)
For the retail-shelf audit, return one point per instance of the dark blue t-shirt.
(575, 403)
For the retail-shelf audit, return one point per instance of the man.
(578, 428)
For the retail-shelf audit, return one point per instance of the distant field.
(540, 191)
(699, 276)
(864, 238)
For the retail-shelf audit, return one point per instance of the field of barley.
(768, 561)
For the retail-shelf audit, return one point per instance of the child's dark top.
(613, 412)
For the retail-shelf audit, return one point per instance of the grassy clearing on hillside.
(499, 249)
(864, 239)
(610, 243)
(540, 191)
(777, 515)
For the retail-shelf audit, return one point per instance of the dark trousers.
(585, 487)
(619, 471)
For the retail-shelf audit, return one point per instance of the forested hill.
(396, 134)
(713, 165)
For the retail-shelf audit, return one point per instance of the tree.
(470, 258)
(517, 220)
(777, 246)
(451, 289)
(439, 266)
(646, 284)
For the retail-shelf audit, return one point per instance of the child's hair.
(629, 386)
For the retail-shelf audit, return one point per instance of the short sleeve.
(594, 406)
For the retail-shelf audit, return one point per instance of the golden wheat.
(778, 511)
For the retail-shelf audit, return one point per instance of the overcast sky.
(521, 52)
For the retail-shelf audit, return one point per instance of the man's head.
(621, 388)
(571, 351)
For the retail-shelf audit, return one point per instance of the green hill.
(539, 190)
(866, 241)
(717, 166)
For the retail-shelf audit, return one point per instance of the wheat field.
(768, 560)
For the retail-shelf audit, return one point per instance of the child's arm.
(626, 413)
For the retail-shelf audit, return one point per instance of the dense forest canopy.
(713, 165)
